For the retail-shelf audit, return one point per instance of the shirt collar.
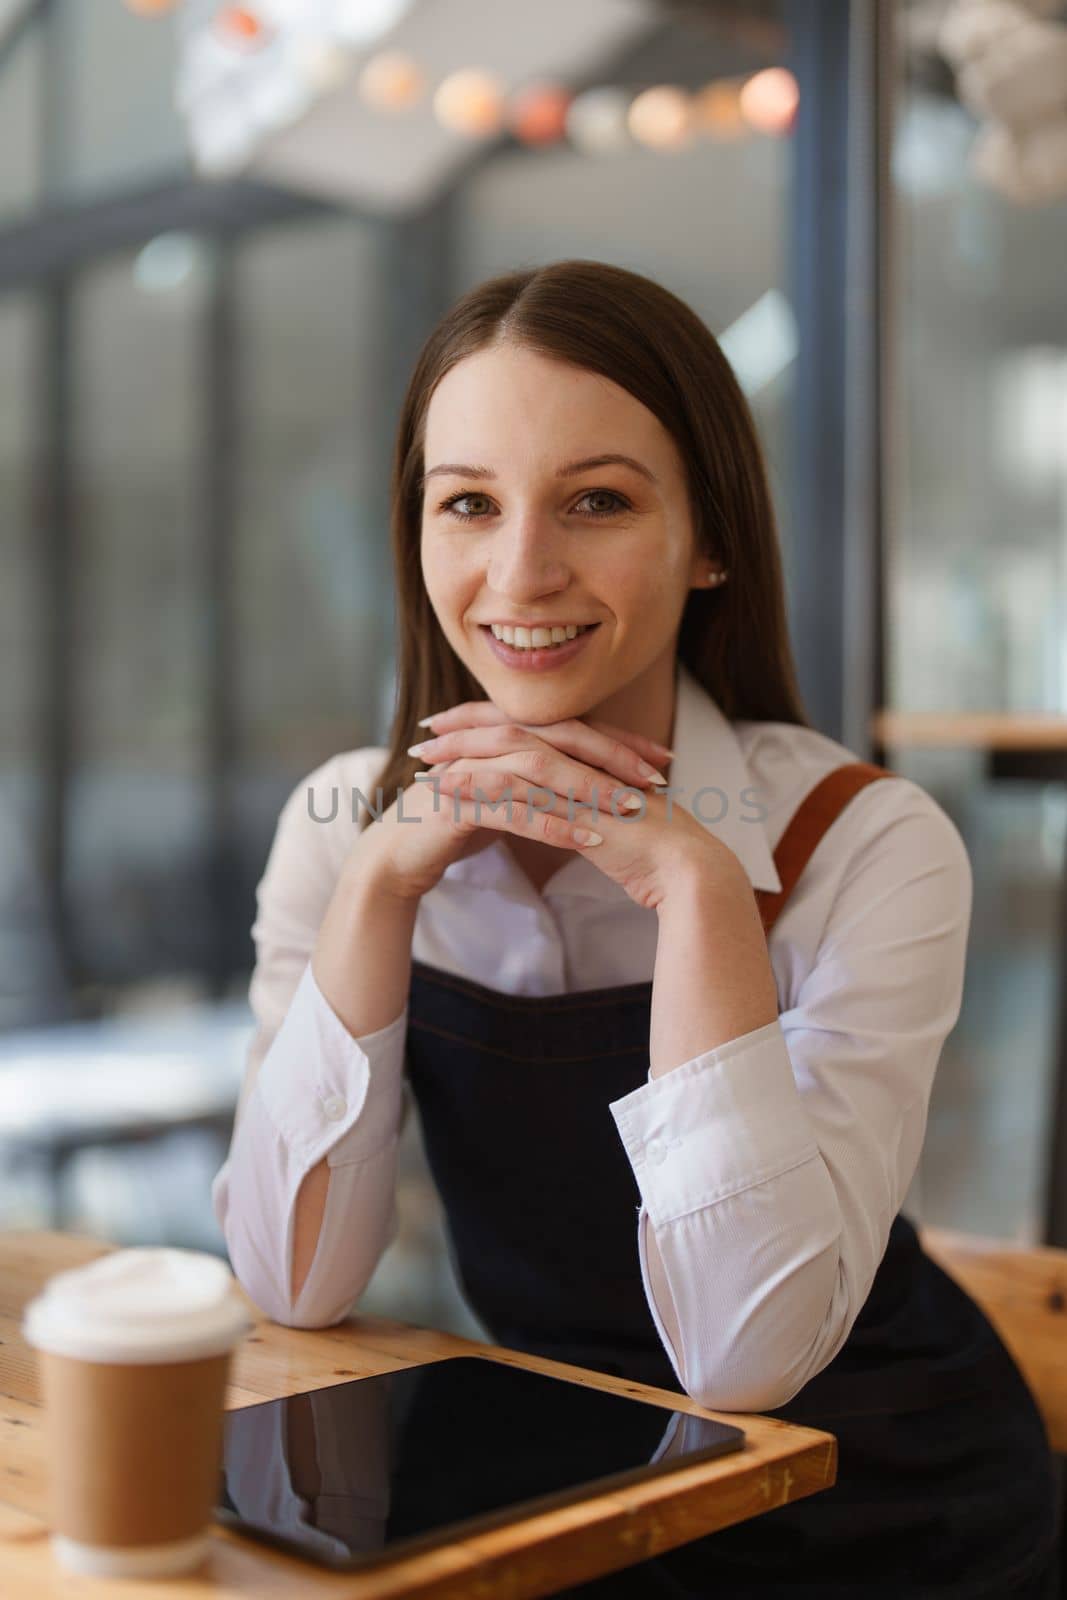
(707, 756)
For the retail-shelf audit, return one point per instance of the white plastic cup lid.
(142, 1304)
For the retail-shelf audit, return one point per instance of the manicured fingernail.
(663, 747)
(427, 722)
(417, 749)
(587, 836)
(650, 772)
(632, 803)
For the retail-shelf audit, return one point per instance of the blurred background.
(225, 231)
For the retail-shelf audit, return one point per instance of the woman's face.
(552, 537)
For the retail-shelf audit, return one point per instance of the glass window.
(137, 804)
(122, 127)
(313, 590)
(977, 602)
(19, 599)
(980, 534)
(30, 976)
(20, 126)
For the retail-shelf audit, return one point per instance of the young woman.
(672, 1071)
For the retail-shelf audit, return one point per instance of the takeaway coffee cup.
(134, 1352)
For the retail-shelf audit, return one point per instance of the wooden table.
(779, 1463)
(1031, 746)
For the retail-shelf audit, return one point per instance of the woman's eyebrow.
(458, 470)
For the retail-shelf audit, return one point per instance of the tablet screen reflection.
(346, 1472)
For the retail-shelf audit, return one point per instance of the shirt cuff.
(729, 1118)
(326, 1091)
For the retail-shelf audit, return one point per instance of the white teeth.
(535, 638)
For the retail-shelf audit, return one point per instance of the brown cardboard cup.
(134, 1355)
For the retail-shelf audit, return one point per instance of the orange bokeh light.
(717, 110)
(391, 81)
(469, 102)
(769, 100)
(661, 117)
(538, 114)
(241, 25)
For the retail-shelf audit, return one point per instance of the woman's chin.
(542, 708)
(518, 693)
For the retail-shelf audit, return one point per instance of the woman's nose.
(527, 559)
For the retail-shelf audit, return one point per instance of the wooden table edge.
(785, 1462)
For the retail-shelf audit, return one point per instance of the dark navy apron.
(945, 1480)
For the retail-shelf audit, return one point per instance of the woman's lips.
(543, 659)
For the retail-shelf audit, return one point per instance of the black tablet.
(383, 1466)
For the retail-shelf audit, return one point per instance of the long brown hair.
(734, 639)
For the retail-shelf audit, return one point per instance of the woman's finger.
(544, 819)
(654, 748)
(468, 714)
(494, 774)
(598, 751)
(544, 827)
(485, 714)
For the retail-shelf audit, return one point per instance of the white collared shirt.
(770, 1167)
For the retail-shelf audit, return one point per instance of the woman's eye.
(616, 503)
(606, 494)
(452, 503)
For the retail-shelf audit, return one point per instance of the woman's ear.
(707, 572)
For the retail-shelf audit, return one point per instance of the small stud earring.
(717, 577)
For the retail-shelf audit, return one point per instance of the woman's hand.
(478, 751)
(408, 849)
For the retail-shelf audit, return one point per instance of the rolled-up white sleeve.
(311, 1090)
(771, 1167)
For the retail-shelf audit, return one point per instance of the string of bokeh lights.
(473, 102)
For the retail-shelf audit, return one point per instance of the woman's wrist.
(713, 979)
(369, 870)
(361, 961)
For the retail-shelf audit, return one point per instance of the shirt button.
(655, 1151)
(333, 1107)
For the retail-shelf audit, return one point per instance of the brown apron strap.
(819, 808)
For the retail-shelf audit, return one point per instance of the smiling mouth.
(537, 658)
(583, 627)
